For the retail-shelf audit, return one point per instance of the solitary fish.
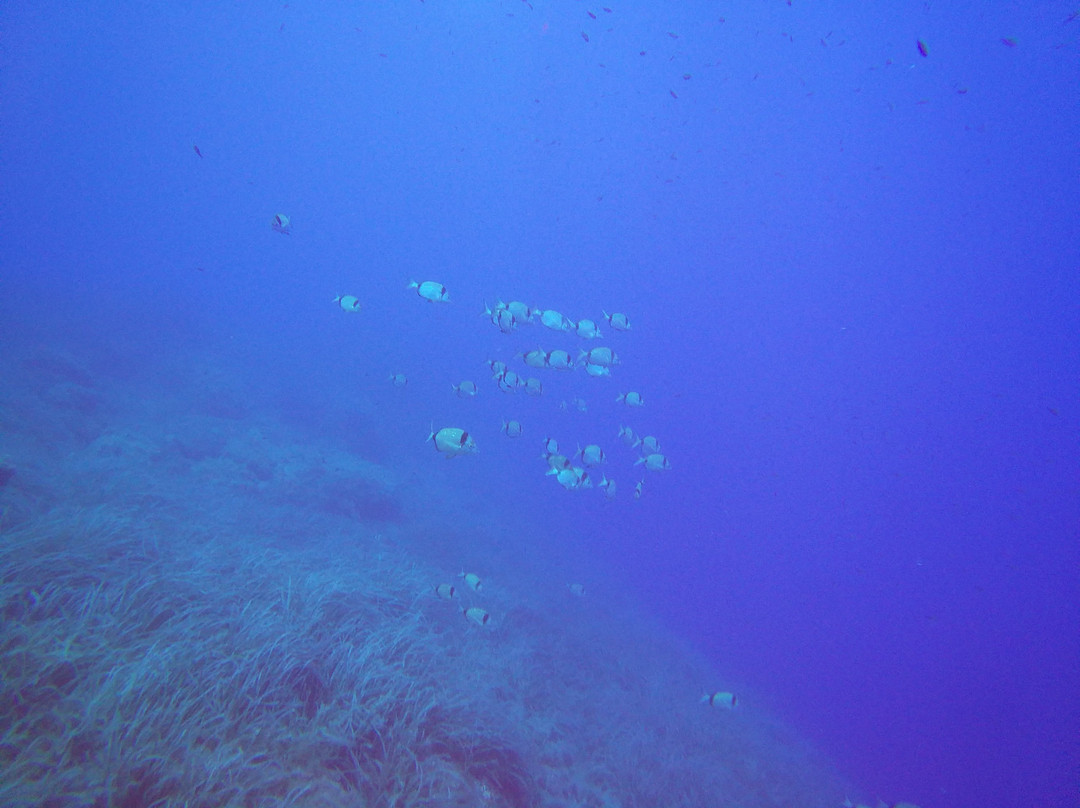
(720, 699)
(431, 291)
(281, 224)
(348, 302)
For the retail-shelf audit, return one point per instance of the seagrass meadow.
(202, 608)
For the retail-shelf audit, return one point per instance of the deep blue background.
(852, 273)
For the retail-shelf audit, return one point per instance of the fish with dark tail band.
(452, 441)
(431, 291)
(474, 614)
(348, 303)
(472, 580)
(720, 698)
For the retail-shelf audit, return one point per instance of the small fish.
(672, 34)
(281, 224)
(647, 445)
(639, 489)
(475, 614)
(551, 446)
(923, 50)
(509, 381)
(557, 462)
(608, 486)
(534, 387)
(597, 370)
(1008, 42)
(512, 429)
(521, 312)
(445, 591)
(592, 455)
(571, 478)
(196, 148)
(627, 435)
(452, 441)
(586, 329)
(466, 388)
(555, 321)
(502, 318)
(591, 14)
(720, 699)
(618, 322)
(673, 94)
(398, 379)
(654, 462)
(584, 36)
(579, 404)
(472, 580)
(630, 399)
(536, 358)
(347, 302)
(431, 291)
(577, 589)
(559, 360)
(603, 356)
(497, 368)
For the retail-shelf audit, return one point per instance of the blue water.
(851, 270)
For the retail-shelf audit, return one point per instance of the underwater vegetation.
(141, 667)
(204, 611)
